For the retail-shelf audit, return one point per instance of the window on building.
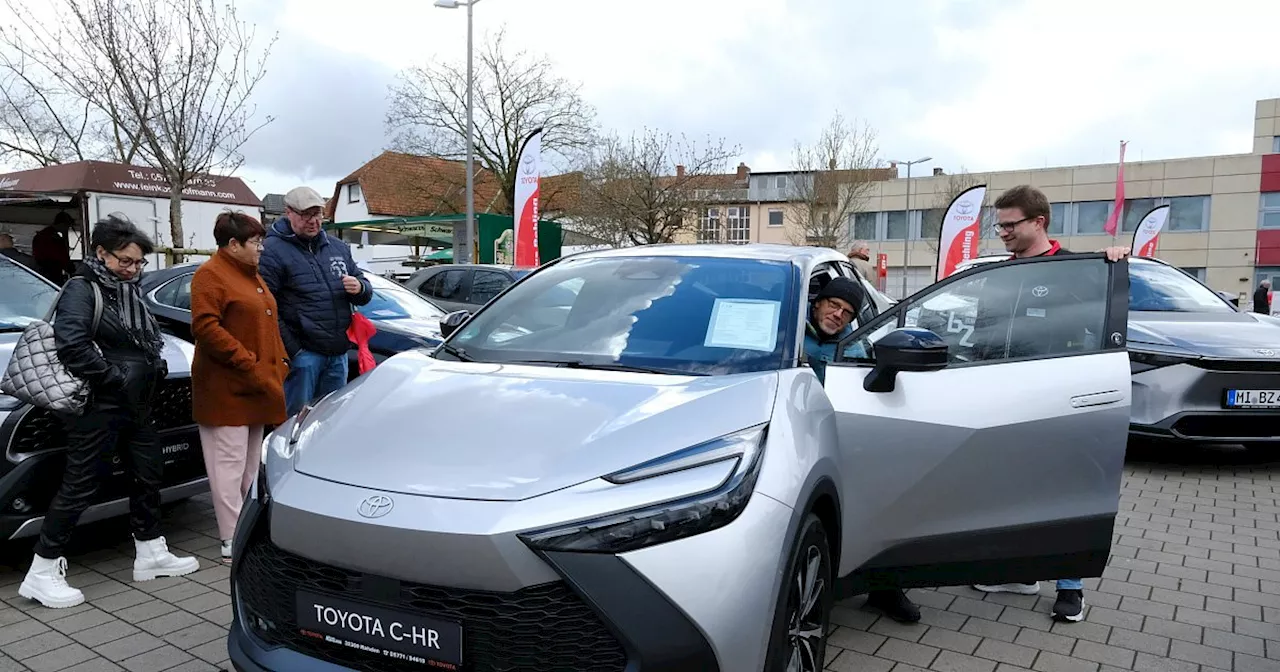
(1197, 272)
(709, 226)
(775, 218)
(864, 225)
(354, 193)
(1275, 145)
(1188, 213)
(782, 182)
(1057, 219)
(738, 225)
(1270, 215)
(895, 225)
(1134, 210)
(931, 223)
(1091, 217)
(918, 277)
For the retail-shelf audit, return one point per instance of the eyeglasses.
(126, 262)
(1009, 226)
(256, 242)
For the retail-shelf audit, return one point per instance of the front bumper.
(702, 603)
(1184, 402)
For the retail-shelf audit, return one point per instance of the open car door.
(982, 426)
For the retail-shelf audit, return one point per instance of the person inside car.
(830, 319)
(123, 364)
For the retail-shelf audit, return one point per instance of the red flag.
(360, 331)
(1114, 220)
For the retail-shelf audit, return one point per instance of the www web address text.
(164, 189)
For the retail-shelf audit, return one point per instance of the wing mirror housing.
(450, 323)
(906, 349)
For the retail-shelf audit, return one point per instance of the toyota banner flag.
(1148, 232)
(526, 224)
(960, 237)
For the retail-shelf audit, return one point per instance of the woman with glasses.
(123, 364)
(237, 375)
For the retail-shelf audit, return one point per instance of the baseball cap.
(301, 199)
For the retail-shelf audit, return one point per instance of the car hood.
(422, 426)
(1218, 335)
(408, 326)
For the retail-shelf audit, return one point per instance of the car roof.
(757, 251)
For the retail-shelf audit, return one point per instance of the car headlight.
(1144, 357)
(672, 520)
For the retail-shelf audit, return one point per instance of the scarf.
(135, 317)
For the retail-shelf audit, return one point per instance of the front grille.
(40, 429)
(1231, 426)
(1238, 365)
(544, 627)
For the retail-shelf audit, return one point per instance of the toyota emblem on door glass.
(376, 506)
(1039, 290)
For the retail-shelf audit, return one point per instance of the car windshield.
(393, 302)
(668, 314)
(1159, 288)
(24, 296)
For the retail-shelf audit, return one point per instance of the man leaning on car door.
(830, 317)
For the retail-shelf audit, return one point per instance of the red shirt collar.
(1054, 248)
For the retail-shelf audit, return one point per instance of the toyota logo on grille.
(1265, 352)
(376, 506)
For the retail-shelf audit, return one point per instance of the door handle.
(1096, 399)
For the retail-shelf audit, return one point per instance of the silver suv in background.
(631, 467)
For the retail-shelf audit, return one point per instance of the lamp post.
(906, 235)
(471, 171)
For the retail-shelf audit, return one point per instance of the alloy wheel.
(805, 622)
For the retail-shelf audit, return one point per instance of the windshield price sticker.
(744, 324)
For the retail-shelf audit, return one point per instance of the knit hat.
(845, 289)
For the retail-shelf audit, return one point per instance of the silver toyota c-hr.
(626, 462)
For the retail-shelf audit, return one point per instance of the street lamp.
(906, 235)
(471, 171)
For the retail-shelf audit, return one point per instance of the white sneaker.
(154, 560)
(46, 583)
(1016, 588)
(226, 551)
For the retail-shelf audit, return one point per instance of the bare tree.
(167, 82)
(931, 219)
(514, 94)
(648, 187)
(832, 179)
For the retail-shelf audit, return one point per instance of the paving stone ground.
(1193, 585)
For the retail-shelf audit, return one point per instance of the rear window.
(24, 296)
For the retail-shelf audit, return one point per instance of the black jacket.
(1262, 301)
(306, 278)
(120, 374)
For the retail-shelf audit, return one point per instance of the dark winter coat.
(305, 276)
(120, 374)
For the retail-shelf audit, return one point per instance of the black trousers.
(92, 438)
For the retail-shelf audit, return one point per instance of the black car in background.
(404, 319)
(35, 441)
(464, 286)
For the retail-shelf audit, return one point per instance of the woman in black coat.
(123, 365)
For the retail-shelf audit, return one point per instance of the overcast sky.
(983, 84)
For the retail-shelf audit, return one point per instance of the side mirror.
(905, 349)
(450, 323)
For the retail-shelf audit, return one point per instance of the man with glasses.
(830, 319)
(1022, 222)
(316, 283)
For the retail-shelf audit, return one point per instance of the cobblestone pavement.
(1193, 586)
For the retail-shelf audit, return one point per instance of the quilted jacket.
(305, 276)
(120, 374)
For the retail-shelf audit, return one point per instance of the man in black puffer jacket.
(316, 284)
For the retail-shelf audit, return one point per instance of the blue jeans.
(311, 376)
(1070, 584)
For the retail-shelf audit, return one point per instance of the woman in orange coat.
(237, 376)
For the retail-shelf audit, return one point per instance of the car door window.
(1015, 311)
(487, 284)
(446, 285)
(176, 293)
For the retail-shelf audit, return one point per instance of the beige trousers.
(231, 458)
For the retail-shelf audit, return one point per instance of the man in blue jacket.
(830, 319)
(316, 284)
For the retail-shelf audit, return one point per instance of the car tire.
(808, 572)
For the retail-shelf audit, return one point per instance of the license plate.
(434, 643)
(1253, 398)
